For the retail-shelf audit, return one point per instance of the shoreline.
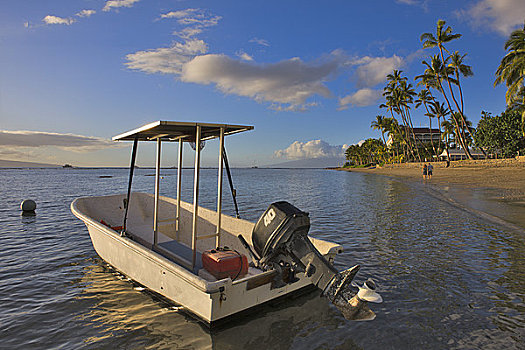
(467, 183)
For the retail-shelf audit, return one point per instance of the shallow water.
(449, 279)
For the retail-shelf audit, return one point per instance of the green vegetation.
(501, 136)
(370, 152)
(512, 71)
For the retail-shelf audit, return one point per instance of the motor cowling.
(280, 237)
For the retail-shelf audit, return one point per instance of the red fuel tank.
(223, 263)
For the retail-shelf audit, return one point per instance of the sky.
(308, 75)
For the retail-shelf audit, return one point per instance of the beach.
(504, 175)
(501, 181)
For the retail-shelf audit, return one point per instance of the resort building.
(424, 135)
(427, 135)
(458, 154)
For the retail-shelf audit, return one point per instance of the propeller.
(356, 308)
(368, 291)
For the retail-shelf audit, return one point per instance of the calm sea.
(449, 279)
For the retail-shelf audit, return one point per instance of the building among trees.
(423, 135)
(458, 154)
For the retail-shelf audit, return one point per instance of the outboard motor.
(280, 239)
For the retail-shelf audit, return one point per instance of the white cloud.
(188, 32)
(50, 19)
(166, 60)
(196, 21)
(289, 82)
(288, 85)
(259, 41)
(293, 108)
(113, 4)
(361, 98)
(180, 13)
(193, 17)
(370, 71)
(79, 143)
(421, 3)
(311, 149)
(502, 16)
(85, 13)
(373, 70)
(244, 56)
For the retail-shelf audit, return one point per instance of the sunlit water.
(448, 279)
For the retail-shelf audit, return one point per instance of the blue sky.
(306, 74)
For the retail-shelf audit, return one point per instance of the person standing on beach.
(430, 167)
(424, 171)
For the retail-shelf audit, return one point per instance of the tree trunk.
(413, 134)
(461, 136)
(465, 149)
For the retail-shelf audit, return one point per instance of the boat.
(163, 243)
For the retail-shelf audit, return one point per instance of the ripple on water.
(448, 279)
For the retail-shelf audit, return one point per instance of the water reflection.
(122, 313)
(28, 217)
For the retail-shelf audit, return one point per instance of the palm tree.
(394, 134)
(440, 111)
(456, 62)
(433, 76)
(395, 78)
(448, 131)
(406, 95)
(399, 96)
(424, 97)
(512, 71)
(379, 124)
(393, 96)
(444, 35)
(353, 154)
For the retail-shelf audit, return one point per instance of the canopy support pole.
(179, 182)
(219, 189)
(234, 192)
(157, 195)
(131, 169)
(196, 194)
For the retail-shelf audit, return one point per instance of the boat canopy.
(175, 131)
(183, 132)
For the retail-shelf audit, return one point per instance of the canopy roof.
(173, 131)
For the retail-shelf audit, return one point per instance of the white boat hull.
(211, 301)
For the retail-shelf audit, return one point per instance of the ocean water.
(449, 279)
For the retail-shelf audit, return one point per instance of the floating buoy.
(28, 206)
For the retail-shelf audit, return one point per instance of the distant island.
(322, 162)
(16, 164)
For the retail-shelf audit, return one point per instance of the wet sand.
(497, 180)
